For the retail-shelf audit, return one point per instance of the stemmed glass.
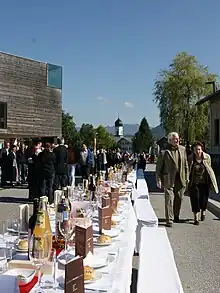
(39, 252)
(66, 228)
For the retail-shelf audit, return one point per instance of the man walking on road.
(172, 174)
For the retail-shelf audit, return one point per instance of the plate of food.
(22, 245)
(24, 276)
(102, 240)
(114, 223)
(90, 276)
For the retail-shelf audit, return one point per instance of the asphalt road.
(196, 248)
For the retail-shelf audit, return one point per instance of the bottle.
(66, 194)
(33, 218)
(63, 214)
(42, 225)
(92, 188)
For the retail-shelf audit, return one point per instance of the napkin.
(9, 284)
(89, 259)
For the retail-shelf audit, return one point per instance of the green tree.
(87, 134)
(176, 92)
(143, 139)
(69, 131)
(104, 139)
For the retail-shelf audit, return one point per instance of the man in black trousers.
(61, 169)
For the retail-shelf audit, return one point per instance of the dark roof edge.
(208, 98)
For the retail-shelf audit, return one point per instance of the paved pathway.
(196, 248)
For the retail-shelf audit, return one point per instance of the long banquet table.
(142, 187)
(146, 217)
(157, 268)
(116, 276)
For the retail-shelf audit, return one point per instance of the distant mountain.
(131, 129)
(158, 131)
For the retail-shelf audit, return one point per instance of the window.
(216, 132)
(3, 115)
(54, 76)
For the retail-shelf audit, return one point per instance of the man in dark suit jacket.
(47, 161)
(61, 167)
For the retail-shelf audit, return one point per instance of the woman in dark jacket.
(201, 179)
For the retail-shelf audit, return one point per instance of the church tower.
(119, 128)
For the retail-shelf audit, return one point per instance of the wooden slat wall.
(34, 110)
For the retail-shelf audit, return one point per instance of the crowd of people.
(182, 170)
(48, 167)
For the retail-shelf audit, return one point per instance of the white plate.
(97, 276)
(117, 218)
(27, 274)
(102, 262)
(10, 230)
(112, 233)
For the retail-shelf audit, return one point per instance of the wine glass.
(39, 252)
(66, 228)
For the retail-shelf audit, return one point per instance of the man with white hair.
(172, 174)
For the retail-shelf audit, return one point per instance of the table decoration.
(74, 276)
(105, 218)
(84, 237)
(106, 202)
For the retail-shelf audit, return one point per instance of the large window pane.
(54, 76)
(3, 115)
(216, 132)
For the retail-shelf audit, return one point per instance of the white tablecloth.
(157, 268)
(142, 188)
(117, 276)
(145, 216)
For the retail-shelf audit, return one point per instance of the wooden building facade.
(30, 98)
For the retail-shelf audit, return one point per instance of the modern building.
(214, 120)
(123, 142)
(30, 98)
(214, 124)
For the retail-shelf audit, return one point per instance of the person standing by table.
(172, 174)
(61, 167)
(201, 179)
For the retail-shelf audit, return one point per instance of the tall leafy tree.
(69, 131)
(177, 89)
(104, 138)
(143, 139)
(87, 134)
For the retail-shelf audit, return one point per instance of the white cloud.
(129, 105)
(101, 99)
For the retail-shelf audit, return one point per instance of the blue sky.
(111, 50)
